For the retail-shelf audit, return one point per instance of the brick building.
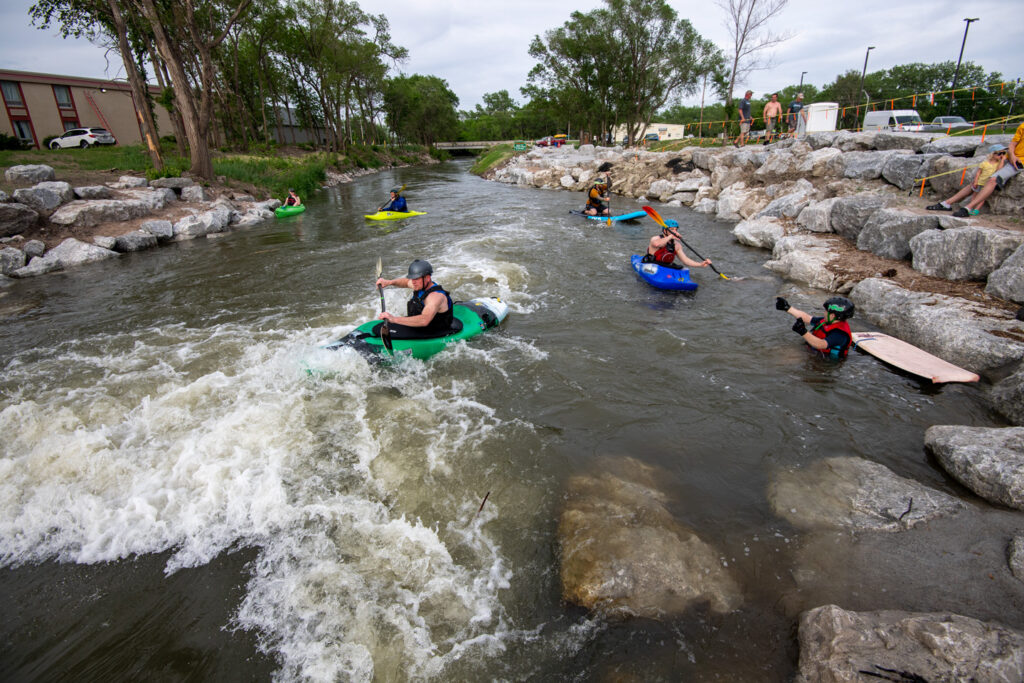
(37, 106)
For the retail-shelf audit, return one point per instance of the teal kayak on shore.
(283, 211)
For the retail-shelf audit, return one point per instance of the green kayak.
(392, 215)
(283, 211)
(473, 317)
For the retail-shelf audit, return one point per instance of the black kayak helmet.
(418, 269)
(841, 306)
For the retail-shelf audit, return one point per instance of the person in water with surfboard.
(397, 202)
(663, 249)
(829, 334)
(598, 201)
(292, 199)
(428, 312)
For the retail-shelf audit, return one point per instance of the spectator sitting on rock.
(1015, 157)
(981, 187)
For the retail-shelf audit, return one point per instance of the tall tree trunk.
(138, 86)
(160, 67)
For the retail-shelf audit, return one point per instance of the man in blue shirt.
(745, 118)
(397, 203)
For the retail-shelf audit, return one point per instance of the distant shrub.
(11, 142)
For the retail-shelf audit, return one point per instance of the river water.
(180, 500)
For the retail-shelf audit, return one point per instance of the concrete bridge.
(477, 144)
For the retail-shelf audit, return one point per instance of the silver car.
(83, 137)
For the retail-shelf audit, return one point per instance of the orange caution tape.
(921, 193)
(963, 175)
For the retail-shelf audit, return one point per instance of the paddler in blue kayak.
(428, 312)
(292, 199)
(664, 249)
(597, 198)
(829, 334)
(397, 202)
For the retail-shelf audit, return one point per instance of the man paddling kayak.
(830, 335)
(664, 250)
(397, 202)
(428, 312)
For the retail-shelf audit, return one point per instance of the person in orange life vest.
(663, 249)
(429, 311)
(830, 334)
(597, 198)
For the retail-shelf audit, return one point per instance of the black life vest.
(442, 321)
(821, 331)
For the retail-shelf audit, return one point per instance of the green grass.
(129, 158)
(494, 156)
(276, 174)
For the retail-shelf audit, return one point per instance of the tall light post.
(860, 88)
(802, 80)
(952, 93)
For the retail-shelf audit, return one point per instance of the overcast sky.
(479, 47)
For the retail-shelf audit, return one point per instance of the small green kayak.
(393, 215)
(283, 211)
(473, 317)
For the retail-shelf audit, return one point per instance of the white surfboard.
(908, 357)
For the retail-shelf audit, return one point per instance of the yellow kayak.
(393, 215)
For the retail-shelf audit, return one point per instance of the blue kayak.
(663, 277)
(621, 217)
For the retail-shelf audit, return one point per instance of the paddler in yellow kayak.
(397, 202)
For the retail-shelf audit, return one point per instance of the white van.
(894, 119)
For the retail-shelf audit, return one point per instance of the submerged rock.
(837, 645)
(623, 553)
(856, 495)
(988, 461)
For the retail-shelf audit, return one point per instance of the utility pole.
(952, 92)
(860, 88)
(802, 80)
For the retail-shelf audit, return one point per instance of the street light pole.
(802, 79)
(952, 92)
(860, 88)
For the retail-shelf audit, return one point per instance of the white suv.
(83, 137)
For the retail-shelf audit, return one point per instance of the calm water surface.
(179, 500)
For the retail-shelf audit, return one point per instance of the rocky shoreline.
(833, 211)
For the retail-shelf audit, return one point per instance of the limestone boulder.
(623, 554)
(850, 214)
(849, 141)
(128, 181)
(1007, 397)
(661, 188)
(137, 240)
(728, 176)
(1007, 281)
(854, 494)
(705, 159)
(16, 218)
(162, 230)
(988, 461)
(93, 192)
(885, 140)
(782, 165)
(1016, 556)
(3, 196)
(45, 197)
(962, 145)
(67, 254)
(173, 183)
(267, 205)
(200, 225)
(87, 213)
(866, 165)
(902, 170)
(964, 332)
(738, 202)
(11, 259)
(823, 162)
(29, 173)
(791, 203)
(1009, 201)
(816, 216)
(762, 232)
(805, 258)
(566, 181)
(964, 253)
(33, 248)
(692, 183)
(705, 205)
(888, 231)
(105, 241)
(837, 646)
(820, 140)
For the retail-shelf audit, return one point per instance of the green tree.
(421, 109)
